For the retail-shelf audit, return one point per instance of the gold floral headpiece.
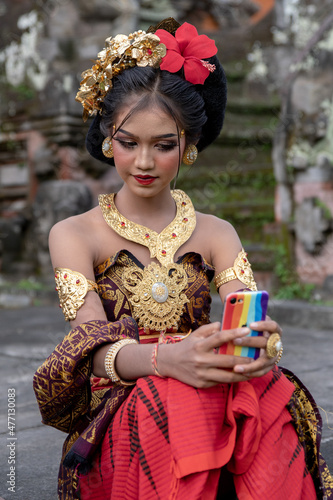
(121, 52)
(180, 47)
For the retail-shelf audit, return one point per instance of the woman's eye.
(126, 144)
(167, 147)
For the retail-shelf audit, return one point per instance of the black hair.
(198, 109)
(154, 87)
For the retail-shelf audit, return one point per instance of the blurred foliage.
(290, 286)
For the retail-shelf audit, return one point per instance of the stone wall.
(287, 48)
(303, 156)
(44, 47)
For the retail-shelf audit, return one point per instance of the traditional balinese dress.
(161, 438)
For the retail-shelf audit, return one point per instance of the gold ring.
(274, 347)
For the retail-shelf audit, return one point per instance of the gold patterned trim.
(241, 271)
(162, 246)
(72, 287)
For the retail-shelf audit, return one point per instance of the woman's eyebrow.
(162, 136)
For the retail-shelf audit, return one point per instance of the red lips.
(144, 179)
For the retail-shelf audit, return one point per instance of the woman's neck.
(153, 212)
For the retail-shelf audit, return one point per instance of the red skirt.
(170, 441)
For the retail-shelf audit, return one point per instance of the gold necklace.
(156, 292)
(162, 246)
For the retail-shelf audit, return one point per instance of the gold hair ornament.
(241, 271)
(121, 52)
(110, 358)
(72, 287)
(190, 154)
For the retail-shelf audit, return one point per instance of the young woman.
(151, 409)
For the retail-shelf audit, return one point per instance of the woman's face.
(146, 150)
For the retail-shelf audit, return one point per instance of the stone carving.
(55, 201)
(312, 224)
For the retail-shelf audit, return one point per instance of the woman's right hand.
(195, 361)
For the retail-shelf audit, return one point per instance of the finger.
(258, 373)
(220, 376)
(208, 330)
(225, 361)
(222, 336)
(259, 341)
(266, 325)
(257, 368)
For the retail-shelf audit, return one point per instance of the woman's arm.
(225, 248)
(71, 244)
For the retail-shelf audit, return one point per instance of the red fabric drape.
(169, 441)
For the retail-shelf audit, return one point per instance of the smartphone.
(241, 309)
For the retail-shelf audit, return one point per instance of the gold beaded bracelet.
(110, 358)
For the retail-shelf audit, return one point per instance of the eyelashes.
(160, 146)
(167, 147)
(126, 144)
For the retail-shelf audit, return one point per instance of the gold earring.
(107, 148)
(190, 154)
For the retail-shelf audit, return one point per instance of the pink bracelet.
(154, 361)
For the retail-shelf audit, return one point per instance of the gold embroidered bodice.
(116, 298)
(156, 292)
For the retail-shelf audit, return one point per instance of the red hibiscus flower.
(187, 49)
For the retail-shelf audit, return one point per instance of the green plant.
(29, 284)
(290, 286)
(325, 209)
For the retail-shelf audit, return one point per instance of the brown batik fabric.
(63, 392)
(308, 424)
(114, 295)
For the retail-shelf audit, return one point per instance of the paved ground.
(29, 334)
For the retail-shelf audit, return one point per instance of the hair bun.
(214, 93)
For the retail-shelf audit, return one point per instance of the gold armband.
(72, 287)
(241, 271)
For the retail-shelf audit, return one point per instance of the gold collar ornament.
(157, 291)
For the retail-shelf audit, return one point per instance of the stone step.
(249, 126)
(257, 176)
(233, 156)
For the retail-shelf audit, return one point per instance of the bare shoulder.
(222, 230)
(221, 237)
(72, 242)
(211, 222)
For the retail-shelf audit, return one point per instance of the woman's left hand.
(263, 364)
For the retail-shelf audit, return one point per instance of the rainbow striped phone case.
(241, 309)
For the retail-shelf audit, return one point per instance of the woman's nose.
(144, 158)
